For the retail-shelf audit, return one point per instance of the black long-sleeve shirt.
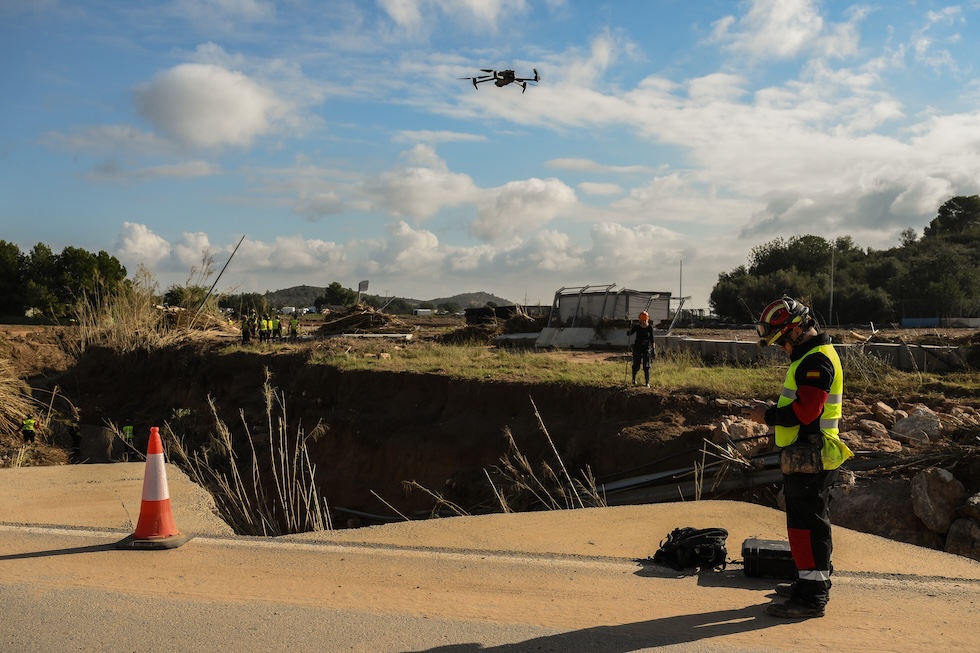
(644, 335)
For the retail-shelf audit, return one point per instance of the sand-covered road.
(558, 581)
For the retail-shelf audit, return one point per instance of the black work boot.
(794, 610)
(785, 589)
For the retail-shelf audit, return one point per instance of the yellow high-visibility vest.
(834, 452)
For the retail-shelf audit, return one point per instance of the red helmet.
(779, 317)
(644, 316)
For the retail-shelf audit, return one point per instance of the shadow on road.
(635, 636)
(95, 548)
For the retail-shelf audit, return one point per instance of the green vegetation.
(671, 371)
(51, 283)
(937, 275)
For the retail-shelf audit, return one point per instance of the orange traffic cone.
(156, 528)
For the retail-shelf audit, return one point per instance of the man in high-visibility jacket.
(27, 429)
(127, 431)
(809, 405)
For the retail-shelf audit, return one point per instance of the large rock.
(883, 508)
(921, 425)
(971, 508)
(964, 538)
(884, 413)
(936, 495)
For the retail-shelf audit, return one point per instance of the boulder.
(964, 538)
(971, 508)
(883, 508)
(936, 495)
(921, 425)
(884, 413)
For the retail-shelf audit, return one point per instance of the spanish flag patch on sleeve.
(813, 374)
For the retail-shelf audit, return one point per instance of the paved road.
(70, 590)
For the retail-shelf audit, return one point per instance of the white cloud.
(519, 207)
(137, 244)
(928, 48)
(420, 187)
(180, 170)
(108, 138)
(597, 188)
(205, 106)
(435, 137)
(315, 205)
(223, 14)
(419, 17)
(922, 197)
(586, 165)
(777, 29)
(190, 250)
(551, 251)
(408, 251)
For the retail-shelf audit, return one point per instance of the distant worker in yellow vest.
(127, 431)
(75, 432)
(246, 330)
(27, 429)
(276, 328)
(806, 419)
(263, 328)
(293, 327)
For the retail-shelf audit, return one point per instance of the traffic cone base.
(153, 544)
(156, 528)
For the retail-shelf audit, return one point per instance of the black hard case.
(768, 559)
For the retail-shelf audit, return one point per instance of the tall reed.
(275, 494)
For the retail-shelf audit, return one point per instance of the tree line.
(935, 275)
(50, 283)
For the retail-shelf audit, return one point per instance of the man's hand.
(755, 411)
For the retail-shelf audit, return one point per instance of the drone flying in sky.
(503, 78)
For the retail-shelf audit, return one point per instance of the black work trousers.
(808, 526)
(642, 356)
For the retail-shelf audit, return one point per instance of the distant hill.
(298, 296)
(471, 300)
(306, 295)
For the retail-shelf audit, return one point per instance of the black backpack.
(690, 547)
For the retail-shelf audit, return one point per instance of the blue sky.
(665, 140)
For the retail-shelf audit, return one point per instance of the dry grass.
(249, 503)
(519, 488)
(17, 403)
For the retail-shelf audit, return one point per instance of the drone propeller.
(479, 79)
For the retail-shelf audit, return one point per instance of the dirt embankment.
(384, 429)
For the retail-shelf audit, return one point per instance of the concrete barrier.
(903, 356)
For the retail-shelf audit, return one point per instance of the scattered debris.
(361, 318)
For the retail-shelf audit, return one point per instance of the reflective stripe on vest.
(834, 452)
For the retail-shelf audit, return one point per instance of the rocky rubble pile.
(926, 490)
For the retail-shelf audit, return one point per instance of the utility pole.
(830, 315)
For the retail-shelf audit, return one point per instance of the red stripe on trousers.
(800, 545)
